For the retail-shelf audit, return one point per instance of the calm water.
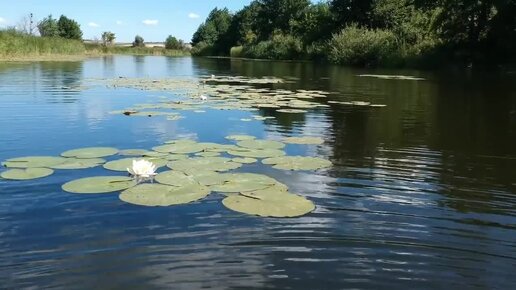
(422, 193)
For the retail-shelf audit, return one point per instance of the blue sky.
(154, 20)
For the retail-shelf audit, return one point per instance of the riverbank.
(18, 47)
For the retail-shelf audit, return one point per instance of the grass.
(94, 49)
(16, 46)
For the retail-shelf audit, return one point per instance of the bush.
(69, 28)
(236, 51)
(138, 41)
(365, 47)
(281, 46)
(202, 49)
(173, 43)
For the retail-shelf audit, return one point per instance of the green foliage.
(280, 16)
(108, 38)
(285, 47)
(138, 41)
(15, 44)
(362, 46)
(213, 33)
(48, 27)
(173, 43)
(69, 28)
(236, 51)
(203, 49)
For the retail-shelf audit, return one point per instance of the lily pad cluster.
(195, 169)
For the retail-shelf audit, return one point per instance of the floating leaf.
(79, 163)
(174, 178)
(303, 140)
(297, 162)
(294, 111)
(90, 152)
(180, 148)
(26, 173)
(261, 144)
(204, 164)
(99, 184)
(207, 154)
(172, 157)
(245, 119)
(244, 160)
(33, 161)
(155, 154)
(238, 182)
(269, 204)
(163, 195)
(133, 152)
(257, 153)
(123, 164)
(240, 137)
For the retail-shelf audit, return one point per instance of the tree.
(26, 24)
(213, 32)
(48, 27)
(69, 28)
(108, 38)
(173, 43)
(280, 16)
(138, 41)
(346, 12)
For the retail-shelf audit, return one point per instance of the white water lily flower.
(142, 169)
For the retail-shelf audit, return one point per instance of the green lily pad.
(26, 173)
(261, 144)
(269, 204)
(208, 154)
(303, 140)
(297, 162)
(239, 182)
(79, 163)
(133, 152)
(180, 141)
(257, 153)
(155, 154)
(33, 161)
(123, 164)
(293, 111)
(90, 152)
(204, 164)
(99, 184)
(240, 137)
(163, 195)
(172, 157)
(244, 160)
(174, 178)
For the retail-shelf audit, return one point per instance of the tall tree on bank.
(279, 16)
(48, 27)
(69, 28)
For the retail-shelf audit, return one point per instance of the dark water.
(422, 193)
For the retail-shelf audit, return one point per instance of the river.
(421, 193)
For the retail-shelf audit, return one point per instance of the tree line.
(364, 32)
(65, 27)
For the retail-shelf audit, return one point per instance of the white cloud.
(2, 20)
(150, 22)
(119, 22)
(193, 15)
(93, 24)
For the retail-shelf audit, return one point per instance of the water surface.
(422, 193)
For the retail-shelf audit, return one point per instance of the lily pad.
(26, 173)
(303, 140)
(261, 144)
(269, 204)
(133, 152)
(297, 162)
(99, 184)
(163, 195)
(208, 154)
(79, 163)
(244, 160)
(240, 137)
(257, 153)
(293, 111)
(239, 182)
(174, 178)
(90, 152)
(33, 161)
(180, 148)
(123, 164)
(155, 154)
(204, 164)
